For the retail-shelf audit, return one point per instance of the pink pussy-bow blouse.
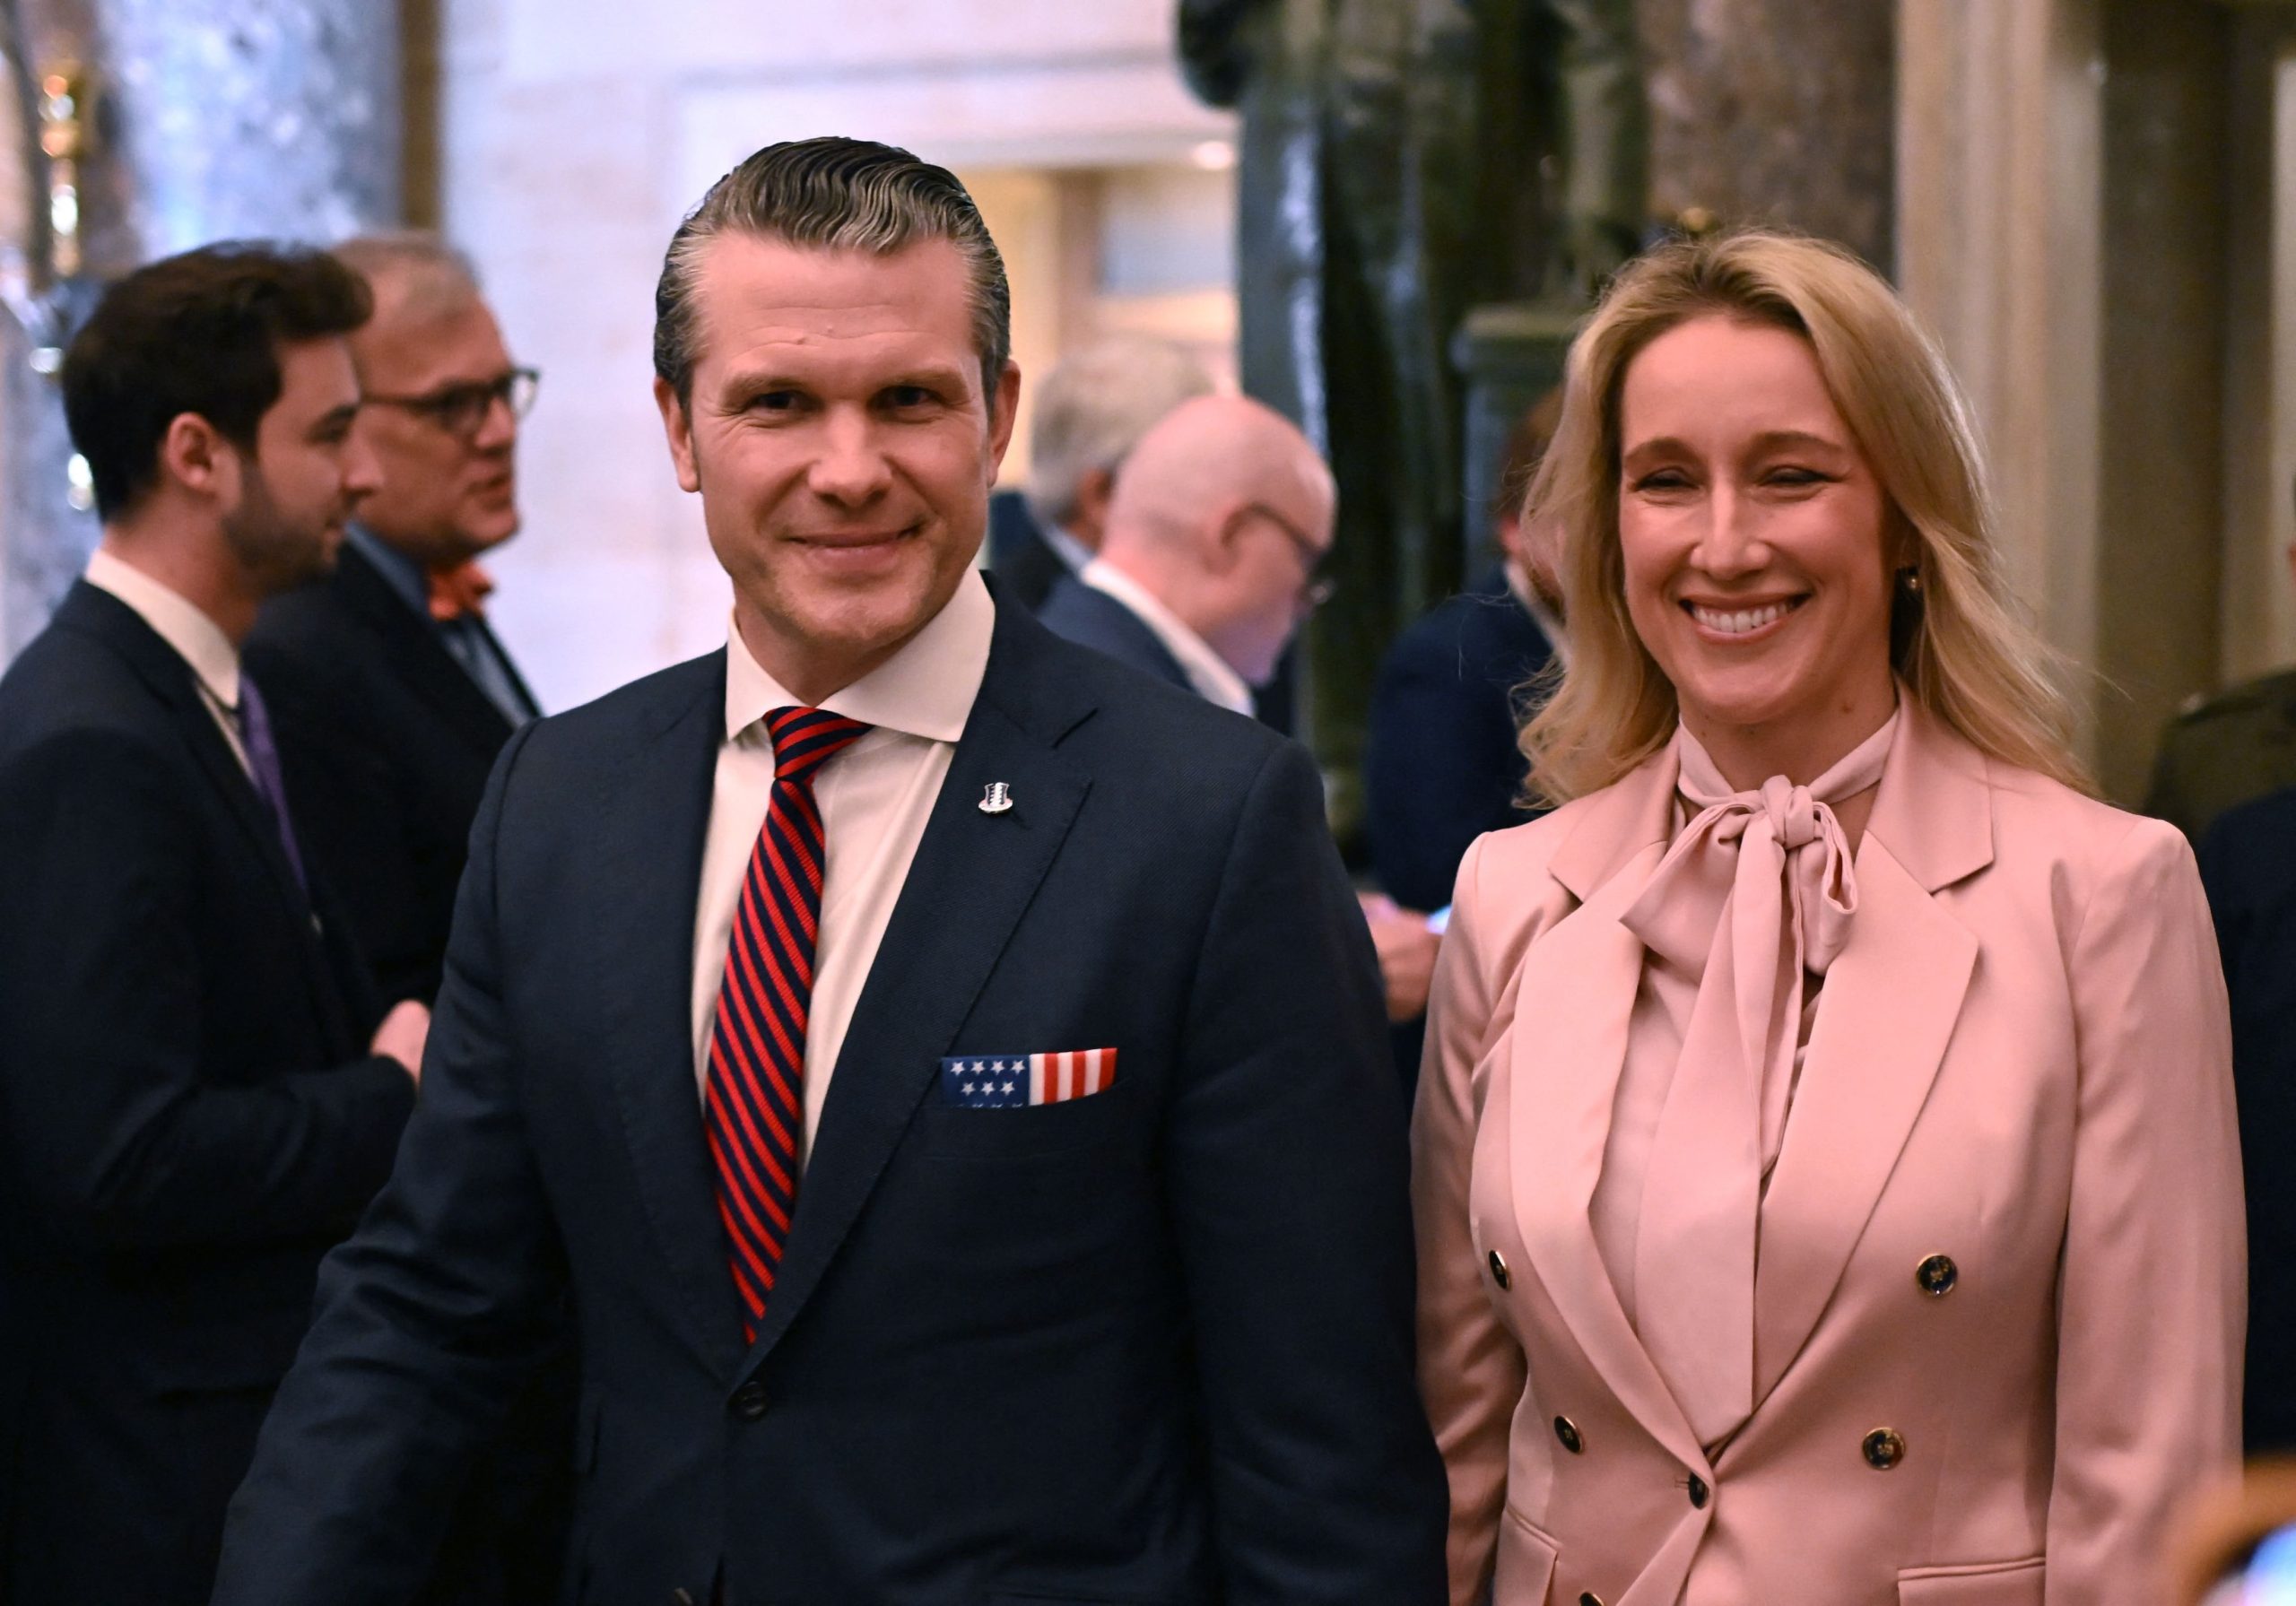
(1752, 902)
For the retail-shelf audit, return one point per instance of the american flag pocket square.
(999, 1081)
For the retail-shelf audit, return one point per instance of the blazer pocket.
(1984, 1584)
(1526, 1562)
(1071, 1126)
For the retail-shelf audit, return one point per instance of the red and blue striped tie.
(755, 1111)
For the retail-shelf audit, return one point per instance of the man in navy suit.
(196, 1099)
(2247, 860)
(1214, 546)
(944, 1068)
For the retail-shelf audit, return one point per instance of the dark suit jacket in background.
(1150, 1345)
(1023, 560)
(387, 742)
(2247, 860)
(1441, 766)
(187, 1118)
(1090, 617)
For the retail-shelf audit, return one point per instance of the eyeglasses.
(1316, 588)
(461, 410)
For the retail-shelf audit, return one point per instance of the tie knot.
(805, 739)
(1794, 813)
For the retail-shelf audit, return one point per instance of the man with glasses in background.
(1218, 528)
(391, 698)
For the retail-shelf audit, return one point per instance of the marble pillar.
(1778, 111)
(209, 120)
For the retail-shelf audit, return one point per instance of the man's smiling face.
(843, 447)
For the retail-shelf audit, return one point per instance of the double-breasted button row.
(1937, 1275)
(1885, 1447)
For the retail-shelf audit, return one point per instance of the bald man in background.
(1216, 535)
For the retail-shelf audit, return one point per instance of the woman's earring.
(1909, 579)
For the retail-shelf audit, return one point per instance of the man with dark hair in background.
(196, 1100)
(390, 694)
(944, 1066)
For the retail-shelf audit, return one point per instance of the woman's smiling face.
(1750, 528)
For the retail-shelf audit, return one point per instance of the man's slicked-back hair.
(197, 333)
(836, 194)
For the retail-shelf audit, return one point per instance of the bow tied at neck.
(1756, 894)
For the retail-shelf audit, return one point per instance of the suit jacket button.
(1698, 1492)
(749, 1401)
(1567, 1431)
(1937, 1275)
(1884, 1448)
(1589, 1598)
(1499, 1269)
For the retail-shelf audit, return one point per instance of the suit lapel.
(1889, 1008)
(651, 822)
(423, 660)
(1575, 1003)
(973, 876)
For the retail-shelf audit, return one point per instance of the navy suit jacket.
(1441, 765)
(1153, 1345)
(386, 742)
(2247, 860)
(1090, 617)
(1025, 566)
(188, 1119)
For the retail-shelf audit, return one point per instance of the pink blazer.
(2000, 1303)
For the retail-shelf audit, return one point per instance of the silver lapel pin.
(997, 799)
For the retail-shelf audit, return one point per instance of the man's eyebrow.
(336, 417)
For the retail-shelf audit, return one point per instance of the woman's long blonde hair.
(1960, 640)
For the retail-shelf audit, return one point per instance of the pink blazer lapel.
(1890, 1002)
(1575, 998)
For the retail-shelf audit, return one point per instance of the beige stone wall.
(573, 135)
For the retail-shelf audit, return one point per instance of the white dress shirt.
(1206, 670)
(197, 639)
(875, 797)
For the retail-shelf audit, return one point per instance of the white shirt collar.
(1213, 680)
(1070, 551)
(197, 639)
(926, 689)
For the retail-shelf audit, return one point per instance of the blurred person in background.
(2237, 1544)
(1442, 763)
(1828, 1183)
(1090, 411)
(2223, 751)
(392, 697)
(1213, 552)
(196, 1100)
(2247, 862)
(390, 693)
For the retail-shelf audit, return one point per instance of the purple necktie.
(263, 763)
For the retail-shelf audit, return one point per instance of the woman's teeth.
(1739, 621)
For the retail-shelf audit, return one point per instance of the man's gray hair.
(1093, 408)
(429, 275)
(838, 194)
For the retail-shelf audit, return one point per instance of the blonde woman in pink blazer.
(1827, 1185)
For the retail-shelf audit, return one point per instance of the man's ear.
(194, 454)
(678, 427)
(1003, 409)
